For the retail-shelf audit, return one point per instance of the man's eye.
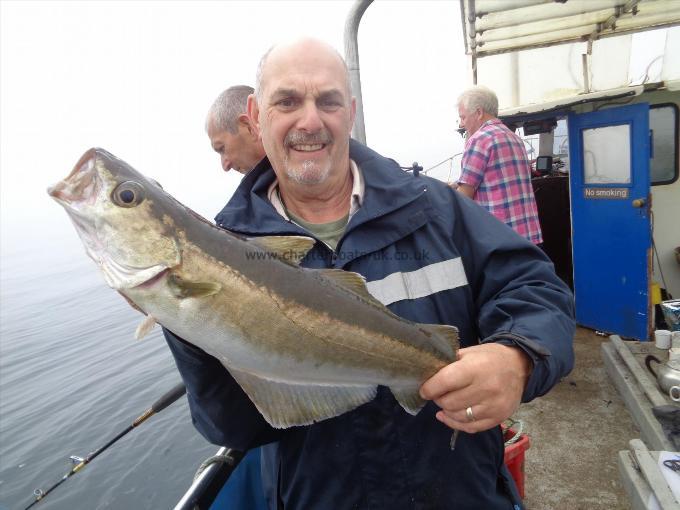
(288, 102)
(330, 104)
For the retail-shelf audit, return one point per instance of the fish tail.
(409, 398)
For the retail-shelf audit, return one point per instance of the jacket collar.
(387, 189)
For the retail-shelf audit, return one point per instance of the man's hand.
(489, 379)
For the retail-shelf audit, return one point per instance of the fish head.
(122, 218)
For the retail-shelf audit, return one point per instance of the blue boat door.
(610, 215)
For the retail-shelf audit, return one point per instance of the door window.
(601, 164)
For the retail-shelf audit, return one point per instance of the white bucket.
(662, 339)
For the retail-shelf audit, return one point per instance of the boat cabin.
(595, 86)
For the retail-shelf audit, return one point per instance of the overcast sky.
(137, 78)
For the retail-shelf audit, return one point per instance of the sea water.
(72, 376)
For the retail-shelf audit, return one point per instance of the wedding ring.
(468, 413)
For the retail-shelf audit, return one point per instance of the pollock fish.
(304, 344)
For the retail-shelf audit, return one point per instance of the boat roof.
(555, 53)
(498, 26)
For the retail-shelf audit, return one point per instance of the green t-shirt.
(330, 233)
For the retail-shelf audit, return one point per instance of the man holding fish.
(429, 255)
(323, 320)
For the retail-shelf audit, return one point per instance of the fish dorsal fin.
(291, 249)
(144, 327)
(356, 283)
(285, 405)
(182, 288)
(351, 281)
(444, 338)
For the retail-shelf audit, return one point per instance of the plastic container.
(514, 457)
(675, 340)
(662, 339)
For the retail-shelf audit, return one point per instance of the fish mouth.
(75, 193)
(81, 186)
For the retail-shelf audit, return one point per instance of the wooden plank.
(637, 403)
(649, 387)
(634, 483)
(650, 470)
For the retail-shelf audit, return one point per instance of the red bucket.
(514, 457)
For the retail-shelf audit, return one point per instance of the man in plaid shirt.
(495, 170)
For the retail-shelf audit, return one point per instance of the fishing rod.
(168, 398)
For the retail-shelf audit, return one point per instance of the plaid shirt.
(495, 165)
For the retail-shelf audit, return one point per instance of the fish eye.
(128, 194)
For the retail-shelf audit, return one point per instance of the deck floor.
(576, 432)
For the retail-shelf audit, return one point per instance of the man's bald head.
(303, 46)
(303, 110)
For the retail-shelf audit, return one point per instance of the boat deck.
(577, 431)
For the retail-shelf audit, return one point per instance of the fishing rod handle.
(170, 397)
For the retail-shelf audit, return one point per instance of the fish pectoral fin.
(291, 249)
(182, 288)
(285, 405)
(444, 339)
(144, 327)
(409, 399)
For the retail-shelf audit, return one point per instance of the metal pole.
(471, 18)
(352, 59)
(514, 78)
(206, 486)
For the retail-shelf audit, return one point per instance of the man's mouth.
(308, 147)
(308, 142)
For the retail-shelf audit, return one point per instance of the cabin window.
(602, 165)
(663, 123)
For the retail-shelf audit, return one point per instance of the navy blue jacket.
(378, 456)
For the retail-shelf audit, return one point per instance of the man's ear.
(253, 112)
(245, 125)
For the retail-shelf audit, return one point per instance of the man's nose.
(310, 120)
(226, 163)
